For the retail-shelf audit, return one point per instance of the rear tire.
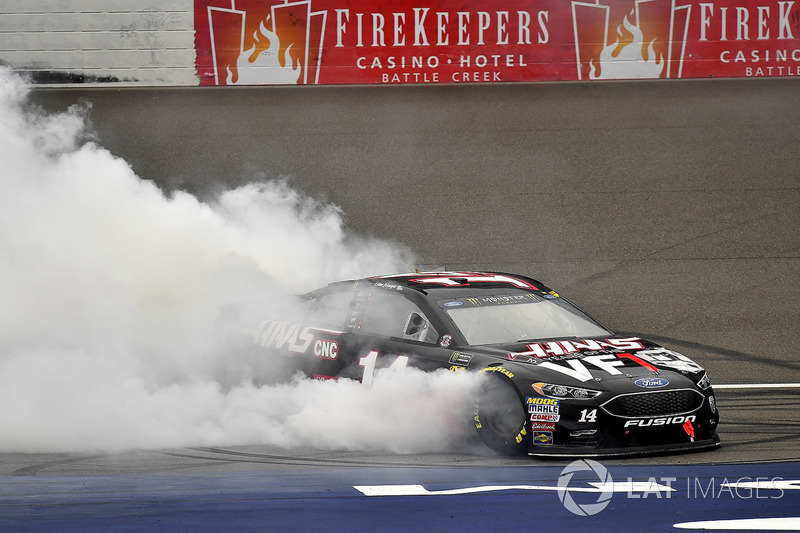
(500, 418)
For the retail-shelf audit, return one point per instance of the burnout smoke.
(109, 290)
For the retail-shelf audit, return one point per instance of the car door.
(389, 330)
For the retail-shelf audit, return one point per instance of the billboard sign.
(455, 41)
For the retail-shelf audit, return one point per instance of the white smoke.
(109, 290)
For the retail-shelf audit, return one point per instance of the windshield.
(515, 317)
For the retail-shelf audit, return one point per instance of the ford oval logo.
(651, 383)
(452, 304)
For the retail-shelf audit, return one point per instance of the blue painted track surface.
(326, 500)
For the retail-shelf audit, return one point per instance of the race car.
(557, 382)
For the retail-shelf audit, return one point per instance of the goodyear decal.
(499, 369)
(520, 436)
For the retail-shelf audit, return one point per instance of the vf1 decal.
(607, 363)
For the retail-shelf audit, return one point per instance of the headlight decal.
(563, 391)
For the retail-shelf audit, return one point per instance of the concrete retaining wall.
(132, 42)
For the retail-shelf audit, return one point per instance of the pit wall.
(254, 42)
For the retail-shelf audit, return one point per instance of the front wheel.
(499, 417)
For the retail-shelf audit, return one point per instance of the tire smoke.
(109, 290)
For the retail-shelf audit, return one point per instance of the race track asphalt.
(668, 209)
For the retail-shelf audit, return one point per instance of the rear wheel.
(499, 417)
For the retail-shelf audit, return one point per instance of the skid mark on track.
(38, 468)
(725, 353)
(213, 454)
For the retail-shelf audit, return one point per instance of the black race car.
(557, 381)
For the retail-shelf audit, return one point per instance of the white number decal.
(369, 360)
(588, 416)
(400, 363)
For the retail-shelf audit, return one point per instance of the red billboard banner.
(455, 41)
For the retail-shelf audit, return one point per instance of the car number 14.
(369, 360)
(588, 415)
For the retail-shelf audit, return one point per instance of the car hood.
(599, 360)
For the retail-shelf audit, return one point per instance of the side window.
(391, 315)
(332, 309)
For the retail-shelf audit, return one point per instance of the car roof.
(457, 280)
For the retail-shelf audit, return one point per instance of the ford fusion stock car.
(557, 382)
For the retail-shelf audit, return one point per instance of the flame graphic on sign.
(626, 60)
(261, 63)
(267, 42)
(650, 42)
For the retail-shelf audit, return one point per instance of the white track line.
(789, 523)
(759, 386)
